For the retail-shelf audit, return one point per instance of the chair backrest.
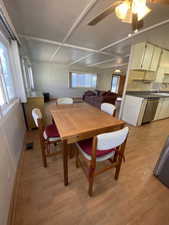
(108, 108)
(37, 115)
(64, 101)
(112, 139)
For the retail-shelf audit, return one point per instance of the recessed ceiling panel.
(40, 51)
(49, 19)
(68, 55)
(122, 49)
(94, 59)
(117, 62)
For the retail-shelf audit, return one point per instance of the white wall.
(54, 78)
(105, 78)
(12, 131)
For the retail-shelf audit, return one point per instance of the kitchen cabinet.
(159, 113)
(164, 62)
(166, 79)
(165, 108)
(160, 75)
(145, 56)
(155, 58)
(149, 76)
(136, 75)
(162, 109)
(137, 56)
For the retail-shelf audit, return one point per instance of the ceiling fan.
(128, 11)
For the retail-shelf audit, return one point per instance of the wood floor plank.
(137, 198)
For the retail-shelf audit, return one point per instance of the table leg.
(65, 162)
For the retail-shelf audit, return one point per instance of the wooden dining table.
(80, 121)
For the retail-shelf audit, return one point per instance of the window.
(7, 92)
(27, 75)
(83, 80)
(115, 84)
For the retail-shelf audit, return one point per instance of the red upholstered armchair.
(96, 98)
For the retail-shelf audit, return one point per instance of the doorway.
(117, 84)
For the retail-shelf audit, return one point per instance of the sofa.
(97, 97)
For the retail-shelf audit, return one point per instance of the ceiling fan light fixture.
(128, 17)
(143, 12)
(139, 7)
(122, 9)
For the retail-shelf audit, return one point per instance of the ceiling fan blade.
(159, 1)
(136, 25)
(105, 13)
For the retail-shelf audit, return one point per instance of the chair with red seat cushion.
(86, 149)
(102, 147)
(48, 135)
(51, 133)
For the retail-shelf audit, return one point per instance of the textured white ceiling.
(52, 21)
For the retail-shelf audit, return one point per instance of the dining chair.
(48, 135)
(64, 101)
(67, 100)
(108, 146)
(108, 108)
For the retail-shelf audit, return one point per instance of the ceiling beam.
(85, 11)
(60, 44)
(57, 43)
(128, 37)
(78, 60)
(106, 61)
(136, 34)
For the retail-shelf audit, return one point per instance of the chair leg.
(91, 181)
(44, 157)
(77, 158)
(71, 152)
(118, 167)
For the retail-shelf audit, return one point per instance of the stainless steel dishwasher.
(150, 110)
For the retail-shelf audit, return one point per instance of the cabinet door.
(159, 109)
(160, 75)
(161, 114)
(136, 75)
(138, 52)
(147, 57)
(164, 62)
(166, 108)
(155, 59)
(150, 76)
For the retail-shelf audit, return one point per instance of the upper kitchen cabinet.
(138, 51)
(164, 62)
(145, 56)
(136, 75)
(160, 75)
(155, 58)
(163, 68)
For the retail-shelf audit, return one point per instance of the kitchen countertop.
(149, 95)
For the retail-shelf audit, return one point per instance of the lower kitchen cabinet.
(162, 109)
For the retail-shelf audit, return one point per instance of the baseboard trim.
(12, 208)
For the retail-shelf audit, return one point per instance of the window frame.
(77, 72)
(118, 83)
(7, 100)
